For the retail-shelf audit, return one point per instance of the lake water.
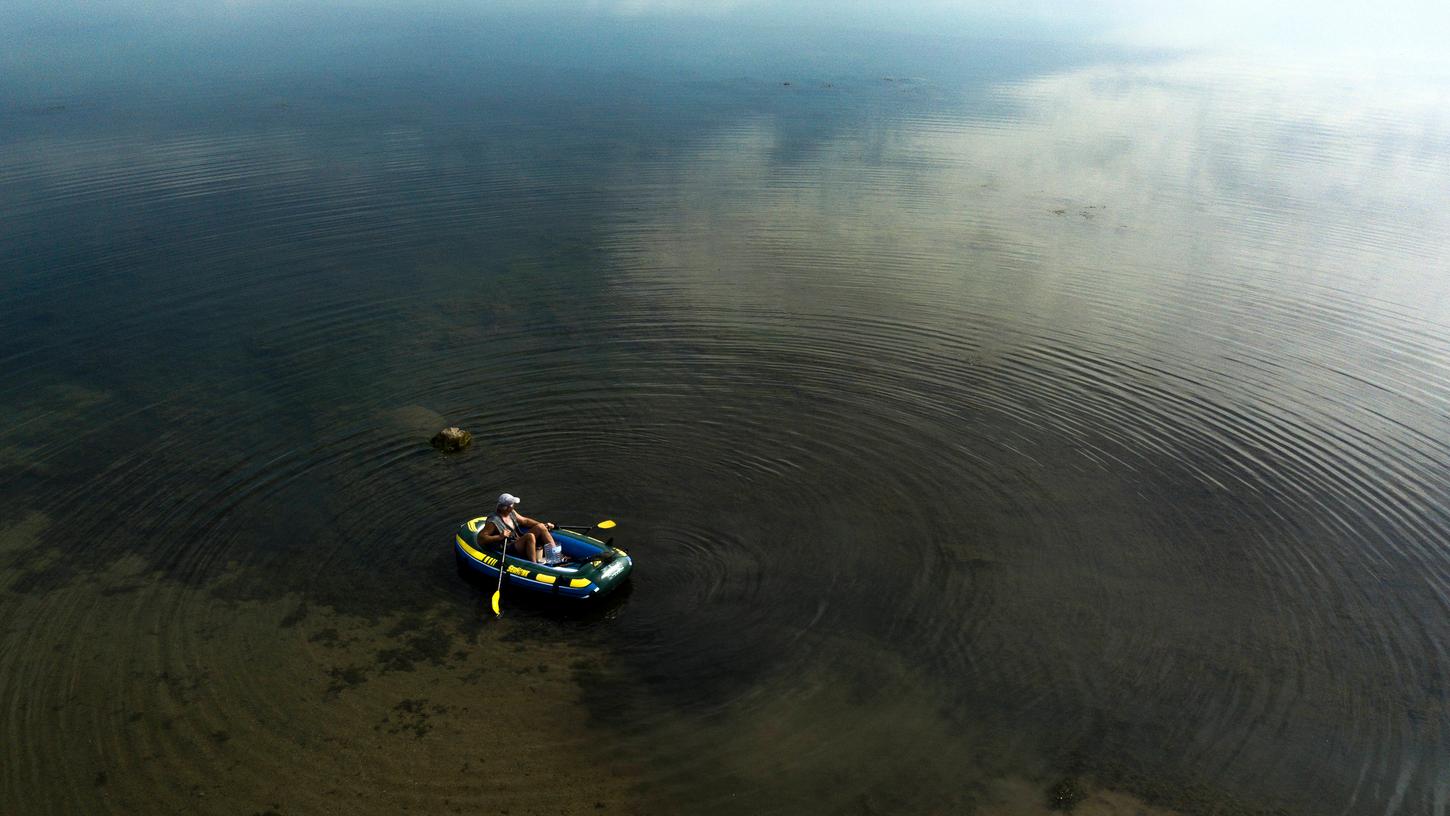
(989, 416)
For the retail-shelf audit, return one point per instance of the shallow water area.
(1002, 421)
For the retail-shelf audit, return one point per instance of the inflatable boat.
(595, 568)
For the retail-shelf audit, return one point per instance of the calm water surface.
(982, 413)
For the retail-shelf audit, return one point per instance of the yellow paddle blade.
(605, 525)
(495, 604)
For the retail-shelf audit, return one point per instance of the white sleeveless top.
(511, 530)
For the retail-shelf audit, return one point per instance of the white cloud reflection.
(1172, 177)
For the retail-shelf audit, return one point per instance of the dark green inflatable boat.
(595, 568)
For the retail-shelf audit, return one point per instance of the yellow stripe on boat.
(475, 525)
(477, 556)
(545, 579)
(578, 582)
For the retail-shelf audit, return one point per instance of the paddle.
(607, 524)
(502, 566)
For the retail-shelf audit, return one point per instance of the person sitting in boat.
(527, 537)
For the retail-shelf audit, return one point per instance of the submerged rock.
(1065, 795)
(452, 439)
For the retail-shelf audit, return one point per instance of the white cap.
(508, 498)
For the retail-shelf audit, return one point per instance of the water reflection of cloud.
(1285, 165)
(1320, 180)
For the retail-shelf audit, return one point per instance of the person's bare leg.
(542, 532)
(527, 546)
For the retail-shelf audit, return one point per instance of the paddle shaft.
(596, 525)
(503, 552)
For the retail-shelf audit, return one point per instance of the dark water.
(981, 413)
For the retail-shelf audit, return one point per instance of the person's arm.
(486, 537)
(525, 521)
